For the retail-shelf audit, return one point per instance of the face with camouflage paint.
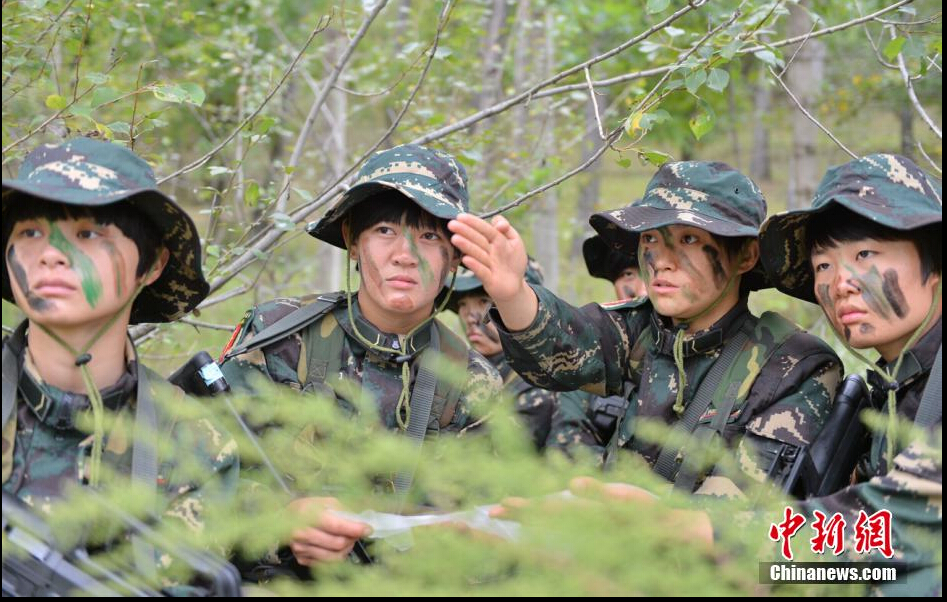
(686, 271)
(472, 309)
(629, 285)
(402, 268)
(873, 292)
(72, 272)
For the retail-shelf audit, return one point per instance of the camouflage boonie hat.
(466, 283)
(708, 195)
(433, 179)
(92, 173)
(602, 261)
(890, 190)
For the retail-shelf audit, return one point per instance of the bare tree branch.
(530, 93)
(920, 147)
(598, 117)
(319, 28)
(912, 95)
(615, 134)
(37, 42)
(200, 324)
(778, 44)
(267, 239)
(318, 103)
(809, 115)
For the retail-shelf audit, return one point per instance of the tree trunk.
(523, 38)
(804, 78)
(589, 194)
(332, 258)
(735, 120)
(545, 226)
(906, 119)
(760, 161)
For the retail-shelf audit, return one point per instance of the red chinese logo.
(786, 529)
(873, 533)
(828, 533)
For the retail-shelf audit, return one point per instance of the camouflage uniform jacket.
(44, 450)
(572, 426)
(284, 362)
(783, 395)
(912, 490)
(533, 405)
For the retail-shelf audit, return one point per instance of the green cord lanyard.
(404, 356)
(83, 357)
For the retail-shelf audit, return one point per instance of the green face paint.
(871, 285)
(427, 275)
(79, 261)
(666, 236)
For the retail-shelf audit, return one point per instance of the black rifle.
(202, 377)
(35, 563)
(825, 465)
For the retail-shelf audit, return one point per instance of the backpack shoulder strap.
(455, 349)
(289, 324)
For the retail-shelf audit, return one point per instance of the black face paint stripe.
(36, 303)
(713, 256)
(894, 294)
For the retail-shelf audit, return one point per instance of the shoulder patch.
(624, 304)
(241, 326)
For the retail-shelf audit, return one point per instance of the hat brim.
(329, 228)
(783, 243)
(181, 286)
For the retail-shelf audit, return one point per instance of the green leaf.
(718, 79)
(56, 102)
(769, 57)
(893, 48)
(626, 162)
(913, 49)
(212, 250)
(657, 6)
(121, 127)
(703, 121)
(730, 50)
(305, 195)
(96, 78)
(170, 93)
(81, 110)
(695, 80)
(195, 94)
(104, 95)
(262, 124)
(289, 169)
(656, 158)
(104, 130)
(251, 194)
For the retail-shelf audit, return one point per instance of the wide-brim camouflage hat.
(467, 282)
(890, 190)
(434, 180)
(602, 261)
(708, 195)
(91, 173)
